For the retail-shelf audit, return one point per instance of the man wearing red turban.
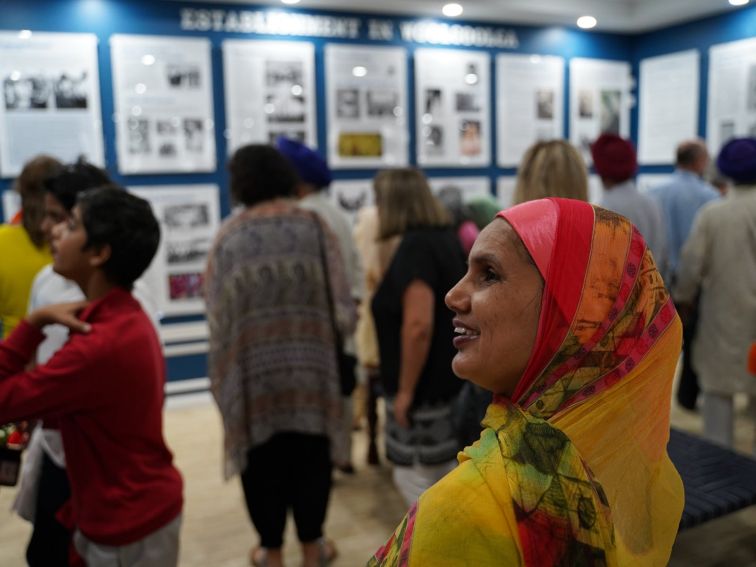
(615, 162)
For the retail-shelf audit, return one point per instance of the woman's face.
(497, 305)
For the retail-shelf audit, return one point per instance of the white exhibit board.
(600, 101)
(189, 217)
(732, 93)
(366, 106)
(163, 96)
(505, 188)
(51, 99)
(668, 105)
(529, 103)
(452, 106)
(351, 195)
(11, 204)
(270, 91)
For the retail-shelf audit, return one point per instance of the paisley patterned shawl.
(573, 469)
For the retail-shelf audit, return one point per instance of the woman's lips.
(465, 334)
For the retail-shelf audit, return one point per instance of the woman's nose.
(458, 299)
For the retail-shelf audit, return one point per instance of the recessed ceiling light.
(586, 22)
(452, 10)
(290, 1)
(739, 2)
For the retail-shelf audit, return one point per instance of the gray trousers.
(158, 549)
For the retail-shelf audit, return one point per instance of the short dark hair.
(689, 152)
(74, 178)
(113, 217)
(260, 173)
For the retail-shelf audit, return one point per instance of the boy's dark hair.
(113, 217)
(260, 173)
(74, 178)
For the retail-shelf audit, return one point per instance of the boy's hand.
(62, 314)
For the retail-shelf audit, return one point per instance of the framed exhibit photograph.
(668, 105)
(732, 93)
(600, 101)
(51, 99)
(366, 90)
(452, 107)
(163, 104)
(270, 91)
(189, 217)
(529, 103)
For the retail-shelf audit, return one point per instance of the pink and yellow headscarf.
(573, 468)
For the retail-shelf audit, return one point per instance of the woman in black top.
(415, 331)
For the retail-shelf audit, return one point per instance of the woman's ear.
(100, 255)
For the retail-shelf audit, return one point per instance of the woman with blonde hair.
(414, 330)
(551, 169)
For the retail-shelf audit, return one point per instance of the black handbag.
(346, 362)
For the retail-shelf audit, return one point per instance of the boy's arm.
(45, 389)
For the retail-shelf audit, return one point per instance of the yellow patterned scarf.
(573, 469)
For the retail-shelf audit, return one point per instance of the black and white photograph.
(610, 111)
(348, 103)
(194, 135)
(183, 76)
(278, 73)
(167, 149)
(434, 139)
(71, 91)
(186, 216)
(283, 107)
(382, 103)
(467, 102)
(138, 133)
(167, 127)
(585, 103)
(297, 135)
(432, 101)
(354, 202)
(187, 251)
(26, 93)
(544, 104)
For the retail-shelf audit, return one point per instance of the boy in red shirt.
(104, 387)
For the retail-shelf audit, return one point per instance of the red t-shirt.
(105, 389)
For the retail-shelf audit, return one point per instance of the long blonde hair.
(551, 169)
(405, 201)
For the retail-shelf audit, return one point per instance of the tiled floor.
(364, 510)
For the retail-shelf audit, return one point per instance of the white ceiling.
(630, 16)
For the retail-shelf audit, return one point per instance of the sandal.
(328, 551)
(258, 557)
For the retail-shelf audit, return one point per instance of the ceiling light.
(586, 22)
(739, 2)
(452, 10)
(290, 1)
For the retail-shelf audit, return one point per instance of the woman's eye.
(489, 275)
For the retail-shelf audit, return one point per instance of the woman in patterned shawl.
(564, 316)
(272, 360)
